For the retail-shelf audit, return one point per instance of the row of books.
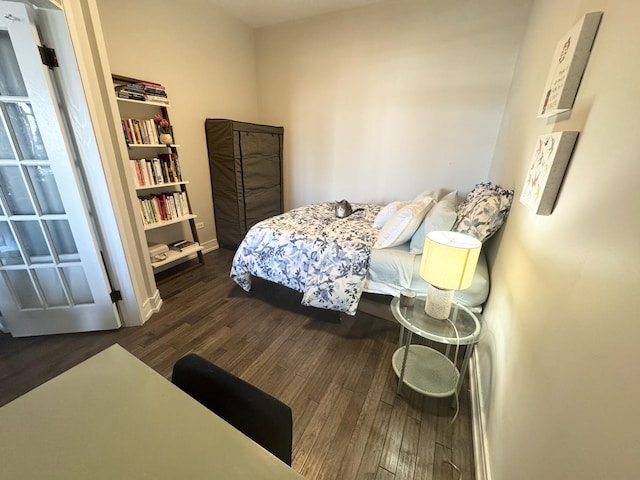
(140, 132)
(143, 92)
(156, 171)
(163, 207)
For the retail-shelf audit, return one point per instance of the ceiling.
(261, 13)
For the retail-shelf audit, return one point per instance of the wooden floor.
(334, 373)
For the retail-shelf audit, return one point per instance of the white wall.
(558, 357)
(383, 102)
(206, 61)
(378, 103)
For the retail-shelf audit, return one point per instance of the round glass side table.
(423, 368)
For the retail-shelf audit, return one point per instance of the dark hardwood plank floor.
(334, 372)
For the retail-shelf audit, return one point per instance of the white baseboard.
(210, 245)
(481, 455)
(151, 305)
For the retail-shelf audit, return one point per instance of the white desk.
(113, 417)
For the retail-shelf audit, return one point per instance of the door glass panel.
(77, 281)
(23, 288)
(6, 153)
(9, 251)
(51, 287)
(11, 83)
(15, 191)
(51, 275)
(34, 242)
(44, 185)
(26, 131)
(62, 238)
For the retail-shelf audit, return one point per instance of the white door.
(52, 279)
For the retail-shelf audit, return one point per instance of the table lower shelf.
(427, 371)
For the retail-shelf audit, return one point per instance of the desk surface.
(113, 417)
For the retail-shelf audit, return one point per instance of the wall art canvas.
(550, 159)
(567, 67)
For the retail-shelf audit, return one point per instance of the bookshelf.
(157, 174)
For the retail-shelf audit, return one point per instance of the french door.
(52, 279)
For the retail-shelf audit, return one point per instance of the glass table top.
(414, 318)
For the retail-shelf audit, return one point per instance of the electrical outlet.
(200, 225)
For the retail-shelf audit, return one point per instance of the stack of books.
(154, 92)
(156, 171)
(182, 245)
(131, 91)
(140, 131)
(163, 207)
(143, 91)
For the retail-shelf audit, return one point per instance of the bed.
(332, 261)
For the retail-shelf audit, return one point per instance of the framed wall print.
(550, 159)
(568, 65)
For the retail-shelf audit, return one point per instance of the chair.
(261, 417)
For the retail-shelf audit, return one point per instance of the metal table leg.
(465, 364)
(408, 334)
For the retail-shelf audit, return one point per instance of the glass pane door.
(51, 278)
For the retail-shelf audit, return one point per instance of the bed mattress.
(394, 269)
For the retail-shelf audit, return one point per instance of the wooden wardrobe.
(245, 163)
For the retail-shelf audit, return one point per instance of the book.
(131, 130)
(142, 91)
(143, 132)
(145, 166)
(147, 84)
(182, 245)
(137, 173)
(131, 95)
(138, 133)
(171, 162)
(157, 170)
(153, 129)
(156, 98)
(124, 130)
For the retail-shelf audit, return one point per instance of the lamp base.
(438, 303)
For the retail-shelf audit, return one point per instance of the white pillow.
(441, 217)
(426, 193)
(403, 224)
(387, 212)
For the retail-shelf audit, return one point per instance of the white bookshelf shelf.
(140, 102)
(164, 223)
(140, 188)
(175, 255)
(151, 145)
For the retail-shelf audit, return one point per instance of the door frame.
(85, 86)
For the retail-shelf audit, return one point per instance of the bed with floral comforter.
(312, 251)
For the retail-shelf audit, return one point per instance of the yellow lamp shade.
(449, 260)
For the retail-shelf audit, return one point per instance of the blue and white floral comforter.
(312, 251)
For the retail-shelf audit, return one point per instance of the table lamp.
(448, 263)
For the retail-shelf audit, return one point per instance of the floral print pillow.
(484, 211)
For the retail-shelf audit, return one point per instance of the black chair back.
(260, 416)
